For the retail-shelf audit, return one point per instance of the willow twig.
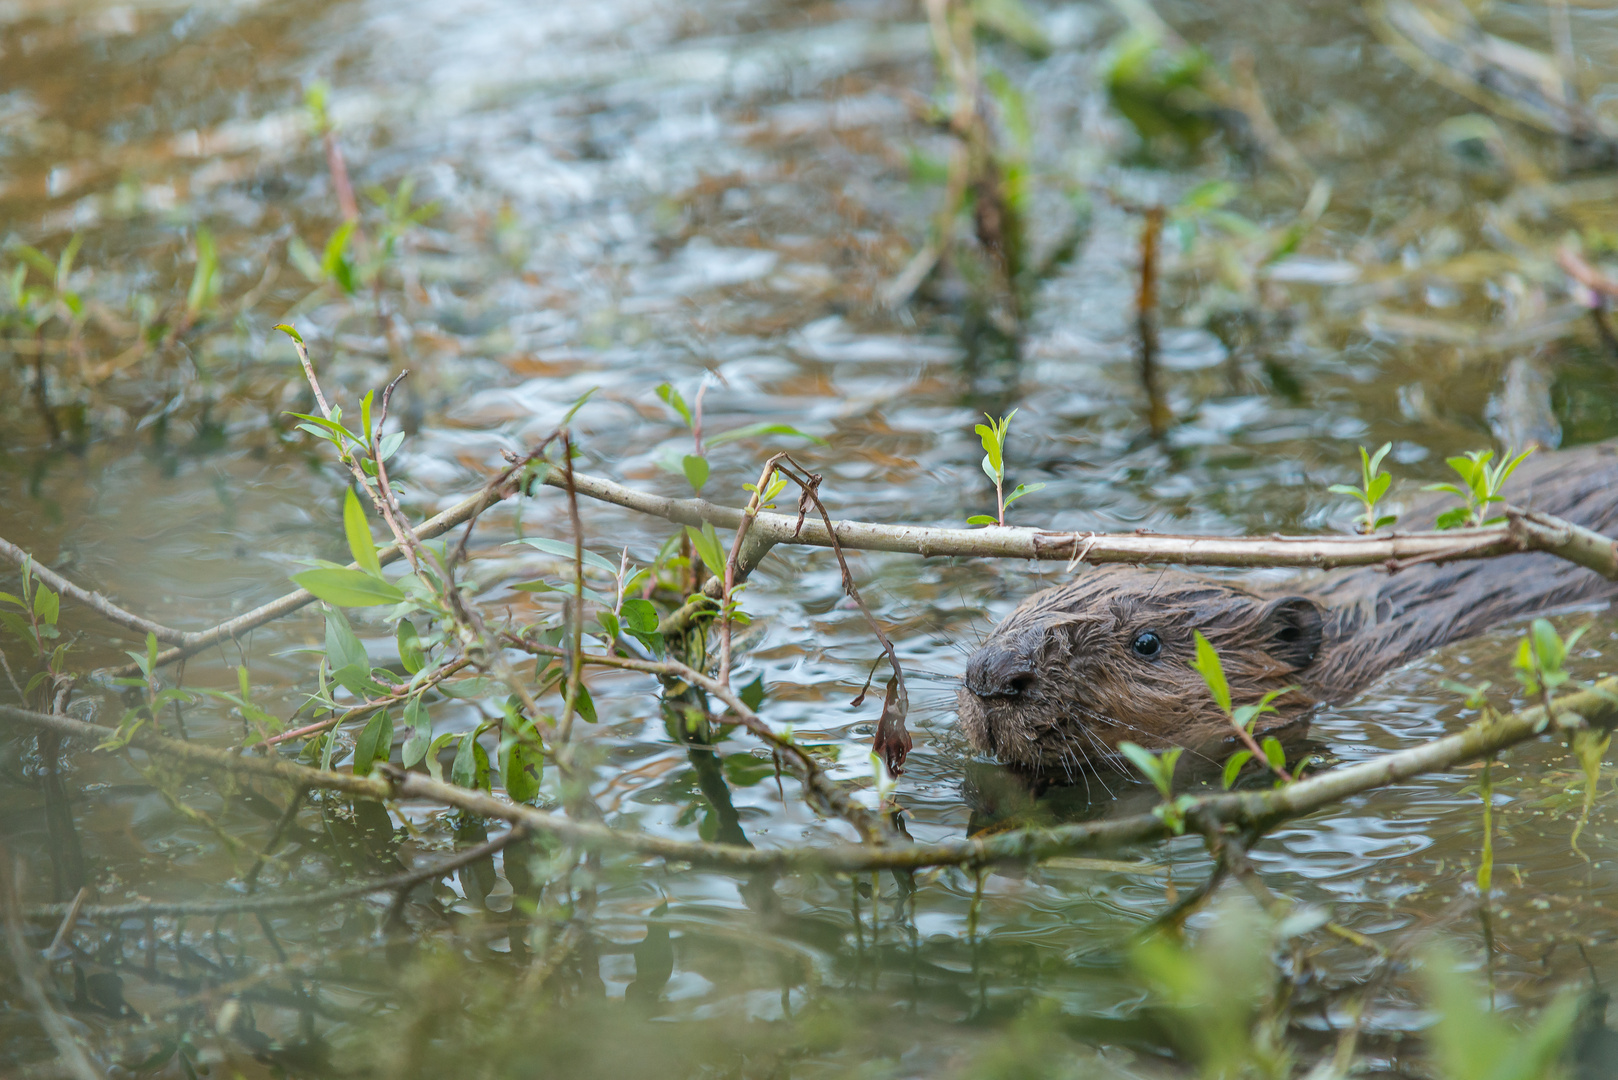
(891, 742)
(825, 791)
(359, 712)
(1553, 535)
(402, 882)
(68, 1049)
(1596, 707)
(499, 487)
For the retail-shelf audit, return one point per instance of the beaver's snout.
(1003, 669)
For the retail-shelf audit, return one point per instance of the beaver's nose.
(998, 672)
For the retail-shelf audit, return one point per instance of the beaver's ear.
(1294, 627)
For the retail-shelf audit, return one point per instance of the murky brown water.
(631, 193)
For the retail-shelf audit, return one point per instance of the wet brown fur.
(1080, 689)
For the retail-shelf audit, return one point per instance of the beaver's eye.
(1147, 645)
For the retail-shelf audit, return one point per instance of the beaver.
(1078, 668)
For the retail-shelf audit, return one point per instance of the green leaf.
(1209, 195)
(1273, 753)
(1160, 771)
(1212, 671)
(358, 531)
(300, 256)
(7, 598)
(1453, 519)
(1547, 645)
(567, 551)
(1233, 766)
(522, 763)
(17, 625)
(411, 655)
(1374, 462)
(584, 705)
(36, 258)
(464, 769)
(203, 279)
(706, 545)
(752, 694)
(566, 590)
(1344, 489)
(639, 616)
(388, 445)
(47, 605)
(374, 744)
(751, 431)
(356, 679)
(671, 397)
(695, 469)
(467, 689)
(348, 588)
(1023, 489)
(421, 732)
(435, 768)
(337, 248)
(342, 434)
(343, 648)
(981, 519)
(609, 623)
(165, 697)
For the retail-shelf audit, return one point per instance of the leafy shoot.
(993, 437)
(1480, 487)
(1374, 482)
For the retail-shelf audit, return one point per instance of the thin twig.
(892, 741)
(247, 905)
(733, 565)
(92, 600)
(826, 792)
(575, 608)
(501, 486)
(68, 1050)
(69, 919)
(359, 712)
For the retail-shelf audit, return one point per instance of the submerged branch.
(145, 909)
(1595, 707)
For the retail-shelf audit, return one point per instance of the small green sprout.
(1540, 656)
(993, 437)
(1159, 769)
(1374, 481)
(694, 466)
(1242, 717)
(1480, 487)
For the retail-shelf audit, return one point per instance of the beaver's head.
(1079, 668)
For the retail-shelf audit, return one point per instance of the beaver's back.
(1379, 620)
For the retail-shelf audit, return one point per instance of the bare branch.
(68, 1049)
(245, 905)
(1570, 541)
(92, 600)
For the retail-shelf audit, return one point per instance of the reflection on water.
(715, 193)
